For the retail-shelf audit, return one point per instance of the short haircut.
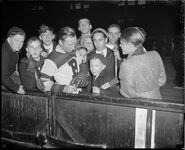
(135, 35)
(100, 57)
(65, 32)
(45, 28)
(32, 39)
(114, 25)
(80, 48)
(84, 20)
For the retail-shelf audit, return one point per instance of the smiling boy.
(10, 57)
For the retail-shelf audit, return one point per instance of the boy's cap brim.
(101, 30)
(15, 29)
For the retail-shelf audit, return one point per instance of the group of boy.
(89, 63)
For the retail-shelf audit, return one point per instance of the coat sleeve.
(111, 91)
(6, 79)
(162, 75)
(127, 78)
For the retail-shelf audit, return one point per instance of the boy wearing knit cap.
(103, 82)
(10, 57)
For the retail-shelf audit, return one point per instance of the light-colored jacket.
(142, 75)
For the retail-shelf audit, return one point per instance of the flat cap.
(15, 30)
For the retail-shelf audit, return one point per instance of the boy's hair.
(135, 35)
(32, 39)
(100, 30)
(84, 20)
(80, 48)
(45, 28)
(114, 25)
(100, 57)
(16, 30)
(65, 32)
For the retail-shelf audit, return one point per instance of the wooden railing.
(92, 119)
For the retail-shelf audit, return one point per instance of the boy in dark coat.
(30, 66)
(10, 57)
(103, 82)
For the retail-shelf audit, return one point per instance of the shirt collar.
(50, 47)
(103, 52)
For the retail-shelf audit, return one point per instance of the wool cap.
(15, 30)
(100, 30)
(100, 57)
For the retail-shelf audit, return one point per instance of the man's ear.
(27, 49)
(41, 49)
(60, 42)
(40, 37)
(79, 29)
(119, 35)
(90, 27)
(106, 40)
(103, 66)
(54, 36)
(8, 39)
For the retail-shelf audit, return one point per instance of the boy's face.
(68, 44)
(16, 42)
(34, 49)
(99, 41)
(47, 37)
(84, 27)
(82, 55)
(114, 34)
(88, 44)
(96, 66)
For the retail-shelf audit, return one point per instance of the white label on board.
(140, 127)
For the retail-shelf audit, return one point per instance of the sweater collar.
(139, 51)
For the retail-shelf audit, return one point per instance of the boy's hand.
(70, 89)
(16, 73)
(44, 54)
(21, 90)
(96, 90)
(116, 53)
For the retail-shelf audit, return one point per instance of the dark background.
(159, 18)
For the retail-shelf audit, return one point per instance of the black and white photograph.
(89, 74)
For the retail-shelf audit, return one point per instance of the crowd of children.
(108, 63)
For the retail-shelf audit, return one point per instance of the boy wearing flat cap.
(103, 82)
(10, 48)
